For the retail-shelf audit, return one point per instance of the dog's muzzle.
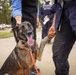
(30, 39)
(29, 32)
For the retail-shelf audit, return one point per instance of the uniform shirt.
(71, 5)
(45, 10)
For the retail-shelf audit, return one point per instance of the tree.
(5, 12)
(39, 3)
(52, 1)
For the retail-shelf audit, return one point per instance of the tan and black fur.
(19, 61)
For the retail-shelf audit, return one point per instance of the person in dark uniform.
(24, 10)
(46, 16)
(64, 26)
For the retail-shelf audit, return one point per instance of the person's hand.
(51, 32)
(18, 23)
(18, 20)
(38, 22)
(46, 18)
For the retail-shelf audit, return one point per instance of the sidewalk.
(46, 65)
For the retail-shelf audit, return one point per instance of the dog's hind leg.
(6, 74)
(22, 72)
(27, 72)
(19, 72)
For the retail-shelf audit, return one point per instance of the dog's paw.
(39, 56)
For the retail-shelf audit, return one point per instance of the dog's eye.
(29, 33)
(23, 26)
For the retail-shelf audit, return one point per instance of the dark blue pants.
(13, 21)
(63, 43)
(45, 29)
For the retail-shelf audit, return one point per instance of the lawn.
(5, 34)
(8, 33)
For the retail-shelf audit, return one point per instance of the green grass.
(5, 34)
(10, 34)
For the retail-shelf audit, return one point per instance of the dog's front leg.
(43, 43)
(41, 47)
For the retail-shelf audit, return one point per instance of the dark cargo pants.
(45, 29)
(63, 43)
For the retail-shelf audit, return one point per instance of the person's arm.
(41, 12)
(38, 22)
(52, 30)
(37, 18)
(17, 10)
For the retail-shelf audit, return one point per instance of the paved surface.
(46, 65)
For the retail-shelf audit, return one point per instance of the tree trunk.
(4, 11)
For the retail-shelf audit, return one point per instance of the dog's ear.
(15, 28)
(30, 25)
(20, 26)
(27, 23)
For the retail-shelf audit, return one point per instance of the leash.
(34, 62)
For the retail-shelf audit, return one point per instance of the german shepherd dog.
(19, 62)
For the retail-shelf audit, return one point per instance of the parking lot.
(3, 26)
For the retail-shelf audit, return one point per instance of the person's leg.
(62, 46)
(44, 31)
(13, 22)
(75, 32)
(34, 31)
(48, 26)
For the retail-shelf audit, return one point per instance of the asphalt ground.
(46, 65)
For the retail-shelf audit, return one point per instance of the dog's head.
(25, 32)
